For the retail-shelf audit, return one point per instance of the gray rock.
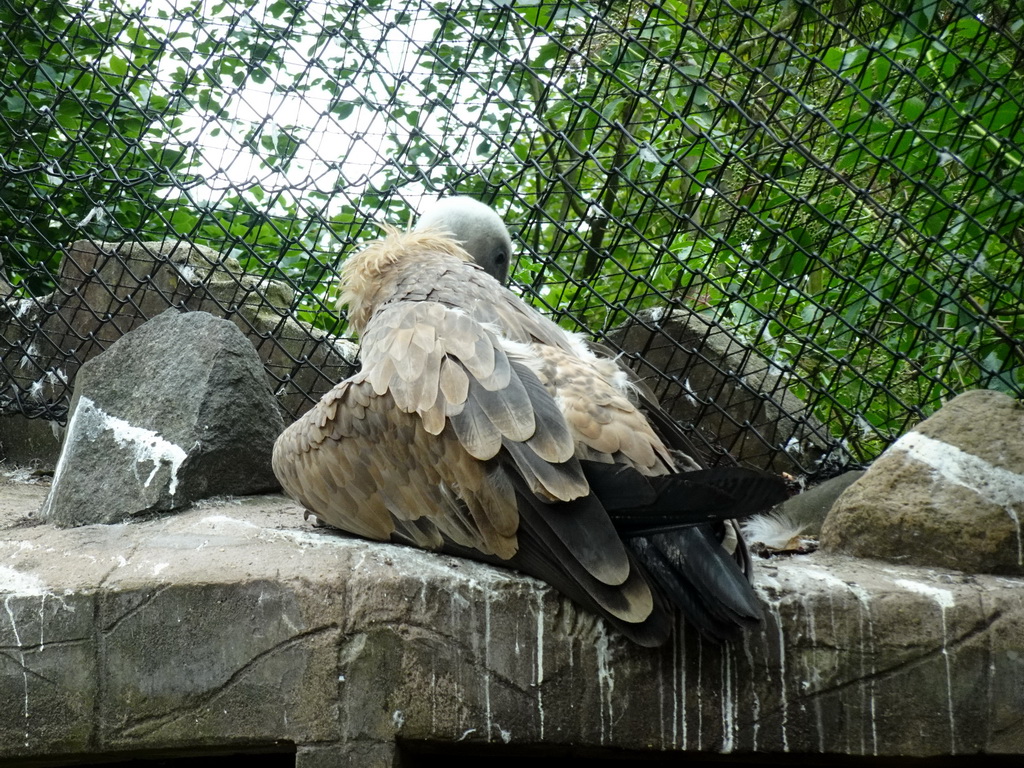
(30, 442)
(810, 508)
(735, 399)
(235, 625)
(795, 524)
(948, 493)
(107, 289)
(176, 410)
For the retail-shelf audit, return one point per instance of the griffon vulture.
(480, 428)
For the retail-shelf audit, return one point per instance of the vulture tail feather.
(701, 579)
(641, 505)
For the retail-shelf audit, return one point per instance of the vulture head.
(477, 228)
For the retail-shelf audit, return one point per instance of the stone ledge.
(237, 624)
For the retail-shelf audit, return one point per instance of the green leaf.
(920, 13)
(911, 108)
(548, 52)
(833, 59)
(854, 58)
(118, 66)
(14, 105)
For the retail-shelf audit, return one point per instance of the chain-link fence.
(800, 222)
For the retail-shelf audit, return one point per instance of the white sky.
(355, 146)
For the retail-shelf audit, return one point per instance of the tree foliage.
(86, 142)
(841, 183)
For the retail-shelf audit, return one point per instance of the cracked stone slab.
(236, 623)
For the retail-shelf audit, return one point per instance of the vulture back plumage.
(477, 426)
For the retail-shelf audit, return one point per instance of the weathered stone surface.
(808, 510)
(236, 623)
(705, 376)
(107, 289)
(175, 411)
(30, 442)
(948, 493)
